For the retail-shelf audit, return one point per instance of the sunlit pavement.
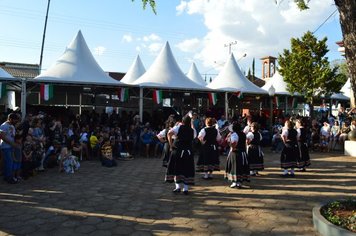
(133, 199)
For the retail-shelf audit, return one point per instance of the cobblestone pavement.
(133, 199)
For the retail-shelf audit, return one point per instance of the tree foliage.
(151, 2)
(347, 13)
(306, 70)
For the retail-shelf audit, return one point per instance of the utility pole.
(229, 45)
(44, 36)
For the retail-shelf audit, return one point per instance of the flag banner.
(157, 96)
(2, 89)
(213, 98)
(46, 92)
(239, 94)
(124, 94)
(276, 101)
(294, 102)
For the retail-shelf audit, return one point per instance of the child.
(67, 162)
(277, 142)
(27, 161)
(17, 158)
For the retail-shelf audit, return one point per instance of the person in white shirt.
(254, 152)
(208, 160)
(180, 169)
(290, 152)
(324, 137)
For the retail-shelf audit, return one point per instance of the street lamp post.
(271, 93)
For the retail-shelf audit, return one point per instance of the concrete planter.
(325, 228)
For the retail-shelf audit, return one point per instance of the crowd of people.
(42, 141)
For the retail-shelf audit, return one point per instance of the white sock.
(285, 172)
(177, 186)
(206, 175)
(292, 171)
(185, 187)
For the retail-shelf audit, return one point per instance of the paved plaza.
(133, 199)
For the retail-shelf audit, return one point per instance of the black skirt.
(303, 158)
(208, 159)
(255, 157)
(237, 167)
(180, 167)
(289, 156)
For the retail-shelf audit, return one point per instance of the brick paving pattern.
(132, 199)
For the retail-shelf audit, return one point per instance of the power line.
(325, 21)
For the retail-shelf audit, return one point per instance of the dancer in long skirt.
(208, 160)
(304, 158)
(163, 138)
(237, 167)
(254, 151)
(290, 152)
(180, 169)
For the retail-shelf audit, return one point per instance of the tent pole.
(141, 105)
(80, 103)
(226, 106)
(66, 99)
(23, 98)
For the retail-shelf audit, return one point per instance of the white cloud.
(260, 28)
(151, 37)
(127, 38)
(155, 47)
(189, 45)
(100, 50)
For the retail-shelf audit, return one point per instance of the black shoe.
(176, 190)
(291, 175)
(284, 175)
(185, 192)
(11, 181)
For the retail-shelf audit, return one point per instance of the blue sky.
(197, 30)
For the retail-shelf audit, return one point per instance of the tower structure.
(268, 66)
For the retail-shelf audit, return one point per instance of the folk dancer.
(290, 152)
(304, 158)
(254, 152)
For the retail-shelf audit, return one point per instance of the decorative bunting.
(46, 92)
(2, 89)
(157, 96)
(239, 94)
(213, 98)
(124, 94)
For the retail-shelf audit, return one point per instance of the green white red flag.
(213, 98)
(124, 94)
(2, 89)
(157, 96)
(46, 92)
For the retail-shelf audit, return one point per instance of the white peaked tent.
(278, 83)
(136, 70)
(165, 73)
(195, 76)
(5, 76)
(346, 89)
(77, 66)
(231, 79)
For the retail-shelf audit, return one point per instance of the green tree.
(306, 70)
(151, 2)
(347, 11)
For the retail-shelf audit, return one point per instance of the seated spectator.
(335, 132)
(345, 129)
(67, 162)
(107, 153)
(324, 137)
(94, 144)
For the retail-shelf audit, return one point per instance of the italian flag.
(239, 94)
(124, 94)
(2, 89)
(213, 98)
(46, 91)
(276, 101)
(157, 96)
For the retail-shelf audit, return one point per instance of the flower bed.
(341, 213)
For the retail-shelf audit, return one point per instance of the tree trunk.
(347, 10)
